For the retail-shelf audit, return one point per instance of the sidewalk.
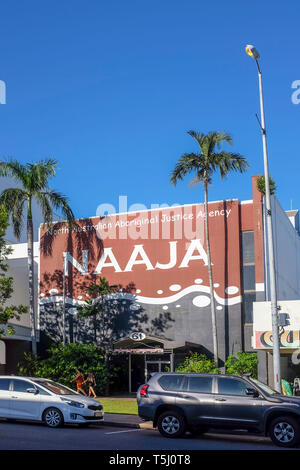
(126, 421)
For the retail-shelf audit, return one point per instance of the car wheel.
(285, 431)
(53, 418)
(171, 424)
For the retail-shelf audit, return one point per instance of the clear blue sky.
(109, 88)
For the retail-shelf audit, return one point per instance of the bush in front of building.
(29, 365)
(242, 363)
(64, 360)
(198, 363)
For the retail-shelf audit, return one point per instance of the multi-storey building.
(162, 309)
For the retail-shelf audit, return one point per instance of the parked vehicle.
(37, 399)
(180, 402)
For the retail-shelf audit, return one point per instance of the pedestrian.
(91, 381)
(79, 378)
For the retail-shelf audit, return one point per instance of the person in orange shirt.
(79, 378)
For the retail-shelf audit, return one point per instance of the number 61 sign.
(137, 336)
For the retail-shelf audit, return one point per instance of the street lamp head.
(252, 52)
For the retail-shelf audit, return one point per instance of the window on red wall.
(248, 247)
(248, 275)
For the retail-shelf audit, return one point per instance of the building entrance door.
(141, 370)
(137, 372)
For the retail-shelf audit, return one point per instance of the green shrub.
(63, 361)
(197, 363)
(29, 365)
(243, 362)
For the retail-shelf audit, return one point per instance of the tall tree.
(204, 164)
(33, 178)
(98, 309)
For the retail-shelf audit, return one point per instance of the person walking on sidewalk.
(91, 381)
(79, 378)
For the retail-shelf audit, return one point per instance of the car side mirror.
(251, 392)
(32, 390)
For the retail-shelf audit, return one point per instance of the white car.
(37, 399)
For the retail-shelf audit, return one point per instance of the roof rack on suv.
(247, 374)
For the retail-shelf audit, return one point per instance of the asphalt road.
(32, 436)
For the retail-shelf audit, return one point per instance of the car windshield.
(264, 387)
(56, 388)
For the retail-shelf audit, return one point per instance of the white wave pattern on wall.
(153, 300)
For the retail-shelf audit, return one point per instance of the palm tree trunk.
(31, 279)
(211, 285)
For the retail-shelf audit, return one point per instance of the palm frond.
(217, 138)
(46, 207)
(101, 289)
(18, 217)
(34, 178)
(195, 182)
(60, 202)
(186, 164)
(198, 136)
(228, 161)
(13, 200)
(39, 173)
(207, 161)
(14, 169)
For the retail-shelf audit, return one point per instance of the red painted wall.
(153, 243)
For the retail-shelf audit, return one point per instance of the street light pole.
(273, 293)
(64, 302)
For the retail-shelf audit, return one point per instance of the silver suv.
(180, 402)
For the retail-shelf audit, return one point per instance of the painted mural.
(162, 255)
(158, 259)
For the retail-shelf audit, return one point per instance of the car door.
(234, 406)
(23, 403)
(197, 400)
(5, 411)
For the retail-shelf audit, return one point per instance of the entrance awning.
(153, 345)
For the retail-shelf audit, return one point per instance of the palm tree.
(205, 163)
(18, 203)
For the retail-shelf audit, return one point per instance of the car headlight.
(73, 403)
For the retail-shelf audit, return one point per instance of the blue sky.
(110, 88)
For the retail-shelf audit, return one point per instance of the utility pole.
(64, 302)
(252, 52)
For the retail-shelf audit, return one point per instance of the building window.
(248, 247)
(248, 299)
(248, 275)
